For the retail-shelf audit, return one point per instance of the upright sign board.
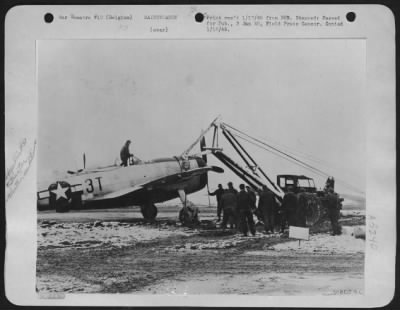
(301, 233)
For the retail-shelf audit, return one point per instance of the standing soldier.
(218, 192)
(228, 206)
(267, 208)
(289, 207)
(301, 208)
(231, 188)
(125, 154)
(330, 183)
(245, 214)
(334, 211)
(253, 197)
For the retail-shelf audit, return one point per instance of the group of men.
(239, 207)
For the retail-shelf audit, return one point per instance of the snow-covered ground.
(201, 273)
(68, 284)
(263, 284)
(352, 212)
(119, 234)
(96, 234)
(322, 244)
(217, 244)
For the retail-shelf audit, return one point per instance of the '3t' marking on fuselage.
(90, 185)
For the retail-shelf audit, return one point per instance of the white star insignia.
(60, 192)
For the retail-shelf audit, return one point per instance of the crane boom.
(251, 177)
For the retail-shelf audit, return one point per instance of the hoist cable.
(315, 170)
(277, 150)
(285, 157)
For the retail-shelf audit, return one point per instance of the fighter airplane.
(140, 183)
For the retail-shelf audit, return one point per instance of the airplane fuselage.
(110, 186)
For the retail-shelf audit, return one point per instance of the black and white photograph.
(132, 191)
(198, 166)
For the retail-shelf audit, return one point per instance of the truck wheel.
(313, 214)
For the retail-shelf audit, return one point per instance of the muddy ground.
(115, 251)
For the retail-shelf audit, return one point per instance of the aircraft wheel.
(149, 211)
(188, 216)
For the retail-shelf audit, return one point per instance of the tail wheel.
(149, 211)
(313, 213)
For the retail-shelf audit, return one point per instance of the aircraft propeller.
(202, 148)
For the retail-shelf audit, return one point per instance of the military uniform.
(289, 207)
(218, 192)
(125, 154)
(253, 198)
(229, 206)
(244, 204)
(267, 208)
(301, 210)
(334, 212)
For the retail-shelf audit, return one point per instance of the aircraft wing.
(122, 192)
(163, 181)
(181, 176)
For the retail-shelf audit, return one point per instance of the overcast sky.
(303, 94)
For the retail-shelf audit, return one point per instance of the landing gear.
(149, 211)
(189, 215)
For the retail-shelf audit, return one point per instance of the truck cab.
(297, 182)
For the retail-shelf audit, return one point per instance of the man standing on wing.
(125, 154)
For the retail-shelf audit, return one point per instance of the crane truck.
(254, 176)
